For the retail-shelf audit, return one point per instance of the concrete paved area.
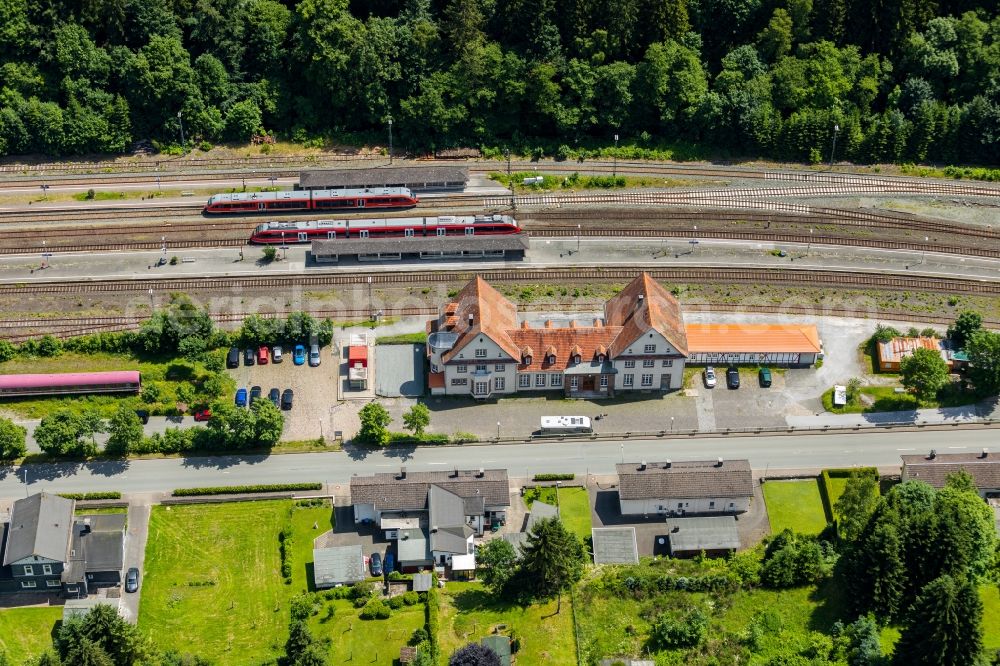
(136, 535)
(796, 451)
(401, 370)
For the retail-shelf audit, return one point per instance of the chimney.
(598, 323)
(472, 318)
(719, 464)
(548, 323)
(667, 464)
(642, 465)
(402, 472)
(985, 453)
(639, 301)
(525, 325)
(434, 529)
(481, 473)
(933, 454)
(572, 324)
(456, 473)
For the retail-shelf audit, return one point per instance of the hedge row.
(554, 477)
(106, 495)
(237, 490)
(826, 488)
(433, 620)
(285, 548)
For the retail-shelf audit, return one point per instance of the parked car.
(299, 355)
(262, 355)
(233, 358)
(203, 414)
(390, 563)
(375, 564)
(255, 394)
(132, 580)
(274, 395)
(276, 354)
(765, 377)
(248, 356)
(241, 397)
(143, 415)
(732, 378)
(710, 377)
(286, 398)
(314, 358)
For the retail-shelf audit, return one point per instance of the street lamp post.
(578, 239)
(284, 246)
(558, 485)
(371, 307)
(25, 469)
(498, 430)
(45, 254)
(163, 241)
(390, 139)
(614, 173)
(183, 142)
(809, 244)
(836, 128)
(151, 305)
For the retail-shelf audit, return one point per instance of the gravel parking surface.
(314, 392)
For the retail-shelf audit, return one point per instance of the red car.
(262, 356)
(203, 415)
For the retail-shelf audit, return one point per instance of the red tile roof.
(643, 305)
(740, 337)
(589, 339)
(491, 313)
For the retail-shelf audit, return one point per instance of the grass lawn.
(885, 399)
(574, 507)
(303, 519)
(795, 505)
(27, 632)
(167, 376)
(402, 339)
(213, 582)
(357, 641)
(991, 617)
(469, 612)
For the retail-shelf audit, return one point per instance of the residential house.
(46, 547)
(433, 516)
(680, 488)
(934, 469)
(477, 346)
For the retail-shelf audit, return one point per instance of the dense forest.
(903, 80)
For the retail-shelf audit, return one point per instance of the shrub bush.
(105, 495)
(375, 609)
(395, 603)
(411, 598)
(237, 490)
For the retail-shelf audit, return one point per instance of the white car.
(276, 354)
(710, 377)
(314, 358)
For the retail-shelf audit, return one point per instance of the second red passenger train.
(393, 227)
(299, 200)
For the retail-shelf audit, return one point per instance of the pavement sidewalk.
(965, 414)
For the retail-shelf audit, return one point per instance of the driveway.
(137, 531)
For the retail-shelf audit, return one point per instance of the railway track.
(19, 330)
(697, 275)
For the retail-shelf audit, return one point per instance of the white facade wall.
(364, 512)
(482, 351)
(688, 505)
(632, 364)
(441, 557)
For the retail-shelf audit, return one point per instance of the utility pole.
(183, 143)
(510, 181)
(836, 128)
(390, 139)
(578, 239)
(614, 172)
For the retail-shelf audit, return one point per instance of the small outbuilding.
(892, 352)
(713, 535)
(499, 644)
(338, 565)
(422, 582)
(615, 545)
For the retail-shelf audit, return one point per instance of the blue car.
(299, 356)
(241, 397)
(389, 564)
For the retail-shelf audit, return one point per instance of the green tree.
(496, 564)
(63, 433)
(417, 418)
(49, 346)
(124, 431)
(856, 504)
(375, 422)
(551, 560)
(924, 373)
(775, 41)
(672, 631)
(243, 121)
(268, 423)
(12, 440)
(966, 325)
(859, 642)
(474, 654)
(966, 536)
(983, 349)
(944, 626)
(7, 351)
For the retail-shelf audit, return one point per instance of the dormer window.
(576, 359)
(600, 358)
(550, 359)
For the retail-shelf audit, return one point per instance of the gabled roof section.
(40, 525)
(689, 479)
(491, 315)
(445, 509)
(984, 468)
(642, 306)
(395, 491)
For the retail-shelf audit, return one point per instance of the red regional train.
(298, 200)
(399, 227)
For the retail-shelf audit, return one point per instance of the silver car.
(314, 355)
(276, 354)
(709, 377)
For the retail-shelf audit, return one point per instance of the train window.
(408, 232)
(441, 231)
(470, 231)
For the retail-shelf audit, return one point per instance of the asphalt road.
(596, 457)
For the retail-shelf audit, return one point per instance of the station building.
(479, 346)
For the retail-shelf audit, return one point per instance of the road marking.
(906, 449)
(437, 463)
(958, 447)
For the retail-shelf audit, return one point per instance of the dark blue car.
(241, 397)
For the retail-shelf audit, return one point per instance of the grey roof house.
(934, 469)
(338, 565)
(433, 516)
(688, 487)
(48, 548)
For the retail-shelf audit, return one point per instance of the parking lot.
(314, 388)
